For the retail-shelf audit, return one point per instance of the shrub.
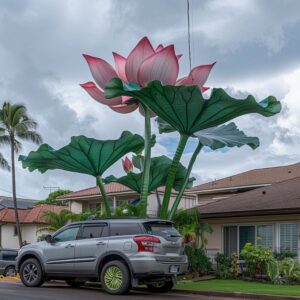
(283, 255)
(256, 258)
(198, 261)
(223, 266)
(235, 264)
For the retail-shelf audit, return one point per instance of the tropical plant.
(188, 223)
(235, 264)
(224, 264)
(15, 124)
(3, 163)
(290, 268)
(199, 263)
(256, 258)
(57, 220)
(51, 199)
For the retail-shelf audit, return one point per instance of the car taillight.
(146, 243)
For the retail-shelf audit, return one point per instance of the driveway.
(16, 291)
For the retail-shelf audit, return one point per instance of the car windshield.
(165, 230)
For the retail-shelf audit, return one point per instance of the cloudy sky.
(255, 43)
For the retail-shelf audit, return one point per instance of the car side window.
(93, 231)
(9, 255)
(125, 229)
(68, 234)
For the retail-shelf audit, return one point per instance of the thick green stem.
(186, 180)
(147, 162)
(172, 175)
(104, 196)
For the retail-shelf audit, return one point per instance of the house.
(31, 220)
(90, 198)
(242, 182)
(268, 215)
(7, 202)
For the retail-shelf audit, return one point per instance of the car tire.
(116, 278)
(31, 273)
(160, 288)
(75, 284)
(10, 271)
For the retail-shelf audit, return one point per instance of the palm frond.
(3, 163)
(31, 136)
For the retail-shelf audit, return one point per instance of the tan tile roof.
(110, 188)
(252, 177)
(279, 198)
(29, 216)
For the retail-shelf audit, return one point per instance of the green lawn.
(241, 286)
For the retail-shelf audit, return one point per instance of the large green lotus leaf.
(185, 109)
(158, 176)
(225, 136)
(83, 155)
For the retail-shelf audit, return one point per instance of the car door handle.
(70, 246)
(100, 244)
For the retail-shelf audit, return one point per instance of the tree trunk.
(13, 173)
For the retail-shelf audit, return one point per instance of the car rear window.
(165, 230)
(8, 255)
(125, 229)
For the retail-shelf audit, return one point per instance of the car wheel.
(115, 278)
(160, 287)
(10, 272)
(31, 273)
(75, 283)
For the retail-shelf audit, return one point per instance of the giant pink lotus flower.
(143, 64)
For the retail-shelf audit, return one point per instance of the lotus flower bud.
(127, 165)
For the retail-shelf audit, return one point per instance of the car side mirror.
(49, 239)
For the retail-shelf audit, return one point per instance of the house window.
(236, 237)
(230, 240)
(265, 236)
(246, 235)
(289, 238)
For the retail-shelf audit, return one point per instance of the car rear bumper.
(151, 268)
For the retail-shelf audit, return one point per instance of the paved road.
(16, 291)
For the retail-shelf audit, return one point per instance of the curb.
(235, 295)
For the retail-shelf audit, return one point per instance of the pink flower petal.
(180, 81)
(141, 51)
(159, 48)
(95, 93)
(198, 75)
(124, 109)
(162, 66)
(178, 56)
(204, 89)
(102, 71)
(120, 62)
(125, 99)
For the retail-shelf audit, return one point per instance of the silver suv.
(120, 253)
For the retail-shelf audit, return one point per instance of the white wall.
(9, 240)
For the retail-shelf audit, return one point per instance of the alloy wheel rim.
(30, 273)
(113, 278)
(11, 272)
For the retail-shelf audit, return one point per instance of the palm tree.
(14, 125)
(3, 163)
(57, 220)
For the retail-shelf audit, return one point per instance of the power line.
(19, 195)
(189, 32)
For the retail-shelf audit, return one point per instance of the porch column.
(115, 202)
